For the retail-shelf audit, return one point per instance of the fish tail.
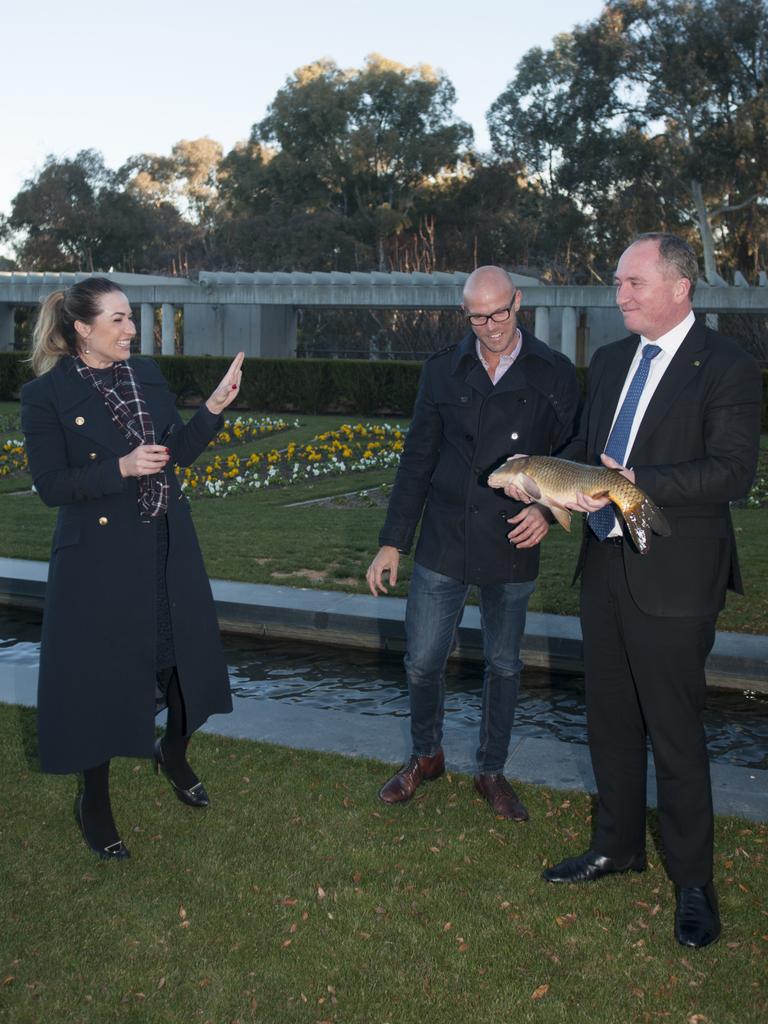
(642, 518)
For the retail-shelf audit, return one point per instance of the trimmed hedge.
(357, 386)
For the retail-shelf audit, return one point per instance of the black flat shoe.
(697, 919)
(112, 851)
(590, 866)
(195, 796)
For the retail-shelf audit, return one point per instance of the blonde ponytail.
(49, 343)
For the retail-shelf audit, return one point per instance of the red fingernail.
(234, 387)
(168, 450)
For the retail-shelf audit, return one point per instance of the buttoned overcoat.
(96, 694)
(464, 427)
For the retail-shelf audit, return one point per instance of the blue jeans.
(435, 604)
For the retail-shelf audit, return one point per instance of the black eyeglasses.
(480, 319)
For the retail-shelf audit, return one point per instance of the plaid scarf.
(125, 401)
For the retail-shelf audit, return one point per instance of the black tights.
(95, 808)
(175, 741)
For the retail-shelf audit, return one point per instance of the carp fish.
(552, 482)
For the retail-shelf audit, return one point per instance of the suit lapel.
(685, 366)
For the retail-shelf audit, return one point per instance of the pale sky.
(139, 78)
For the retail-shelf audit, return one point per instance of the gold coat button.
(92, 455)
(103, 520)
(79, 421)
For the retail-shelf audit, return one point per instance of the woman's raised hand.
(229, 388)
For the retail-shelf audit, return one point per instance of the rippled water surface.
(365, 683)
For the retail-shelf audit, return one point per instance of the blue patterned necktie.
(602, 521)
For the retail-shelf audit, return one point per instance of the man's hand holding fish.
(584, 503)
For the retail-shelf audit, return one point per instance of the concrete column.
(7, 328)
(168, 343)
(568, 333)
(203, 330)
(147, 329)
(541, 324)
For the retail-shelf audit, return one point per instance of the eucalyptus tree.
(654, 114)
(75, 214)
(358, 144)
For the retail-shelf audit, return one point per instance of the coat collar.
(71, 389)
(77, 398)
(465, 351)
(464, 362)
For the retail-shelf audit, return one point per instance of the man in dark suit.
(688, 402)
(498, 388)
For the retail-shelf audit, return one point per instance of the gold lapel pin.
(697, 362)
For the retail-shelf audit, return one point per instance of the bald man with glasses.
(498, 392)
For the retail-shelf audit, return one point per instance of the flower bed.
(349, 449)
(248, 428)
(243, 430)
(13, 457)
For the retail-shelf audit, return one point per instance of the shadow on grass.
(26, 719)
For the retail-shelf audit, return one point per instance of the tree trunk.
(705, 231)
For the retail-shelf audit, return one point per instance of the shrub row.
(355, 386)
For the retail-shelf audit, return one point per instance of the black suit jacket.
(695, 451)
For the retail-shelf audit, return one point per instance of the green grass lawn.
(298, 897)
(260, 538)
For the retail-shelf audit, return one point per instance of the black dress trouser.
(645, 678)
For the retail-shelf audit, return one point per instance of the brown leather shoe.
(503, 799)
(403, 785)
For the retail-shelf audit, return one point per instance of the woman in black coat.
(129, 624)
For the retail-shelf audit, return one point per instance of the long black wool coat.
(96, 693)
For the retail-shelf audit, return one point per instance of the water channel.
(366, 683)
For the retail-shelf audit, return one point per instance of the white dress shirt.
(669, 343)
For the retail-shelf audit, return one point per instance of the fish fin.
(659, 523)
(530, 486)
(562, 515)
(641, 520)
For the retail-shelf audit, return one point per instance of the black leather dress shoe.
(590, 866)
(697, 919)
(195, 796)
(112, 851)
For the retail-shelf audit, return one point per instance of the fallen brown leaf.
(540, 992)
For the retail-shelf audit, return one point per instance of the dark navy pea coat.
(96, 694)
(464, 427)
